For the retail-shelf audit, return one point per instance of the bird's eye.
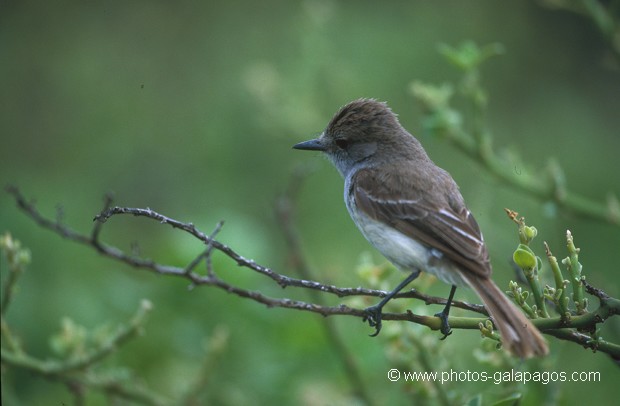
(342, 143)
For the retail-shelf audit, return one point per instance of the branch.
(56, 368)
(443, 120)
(587, 321)
(197, 279)
(17, 260)
(66, 370)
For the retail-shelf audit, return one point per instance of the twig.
(64, 370)
(587, 321)
(443, 120)
(56, 368)
(17, 259)
(282, 280)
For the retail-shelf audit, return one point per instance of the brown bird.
(412, 211)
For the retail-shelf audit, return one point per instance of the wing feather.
(443, 225)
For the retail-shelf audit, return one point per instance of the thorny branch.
(552, 326)
(211, 279)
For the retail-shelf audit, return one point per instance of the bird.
(412, 211)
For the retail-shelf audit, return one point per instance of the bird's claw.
(372, 315)
(445, 326)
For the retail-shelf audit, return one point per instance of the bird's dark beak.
(312, 145)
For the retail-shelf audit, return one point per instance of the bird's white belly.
(404, 252)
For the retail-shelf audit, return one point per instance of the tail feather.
(519, 335)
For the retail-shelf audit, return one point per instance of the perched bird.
(412, 211)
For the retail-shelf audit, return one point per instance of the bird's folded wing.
(452, 231)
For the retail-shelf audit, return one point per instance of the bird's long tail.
(519, 336)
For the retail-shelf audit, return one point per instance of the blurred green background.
(191, 108)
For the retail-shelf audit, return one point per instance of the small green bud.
(524, 257)
(566, 301)
(489, 325)
(530, 232)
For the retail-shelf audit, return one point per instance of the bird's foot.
(372, 315)
(445, 326)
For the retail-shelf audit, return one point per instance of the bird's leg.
(373, 313)
(443, 315)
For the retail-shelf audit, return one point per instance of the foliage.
(191, 108)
